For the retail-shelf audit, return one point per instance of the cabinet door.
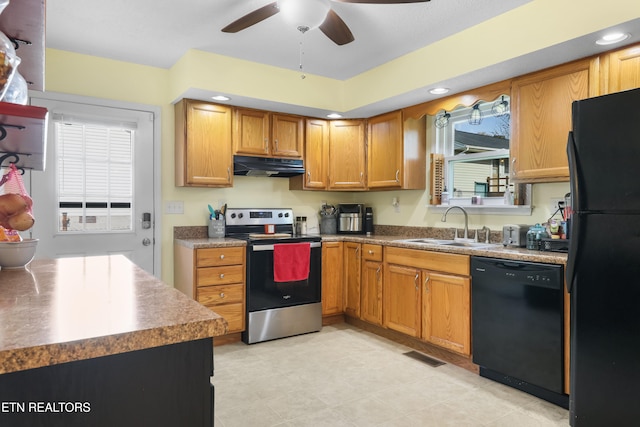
(347, 155)
(316, 150)
(384, 151)
(371, 292)
(541, 119)
(203, 145)
(446, 308)
(352, 279)
(287, 136)
(624, 69)
(402, 299)
(332, 291)
(251, 132)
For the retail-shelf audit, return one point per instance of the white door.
(96, 195)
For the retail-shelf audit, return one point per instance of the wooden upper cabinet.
(620, 70)
(385, 151)
(316, 155)
(251, 132)
(541, 119)
(203, 152)
(347, 155)
(261, 133)
(287, 135)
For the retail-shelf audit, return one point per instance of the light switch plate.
(174, 207)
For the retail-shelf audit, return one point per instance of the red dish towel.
(291, 261)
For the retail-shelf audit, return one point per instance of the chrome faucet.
(466, 220)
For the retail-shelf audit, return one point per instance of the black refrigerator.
(603, 266)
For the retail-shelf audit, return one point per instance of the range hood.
(267, 166)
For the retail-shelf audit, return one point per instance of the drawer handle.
(222, 275)
(222, 256)
(370, 252)
(222, 295)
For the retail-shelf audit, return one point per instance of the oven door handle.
(257, 248)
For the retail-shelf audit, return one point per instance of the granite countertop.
(70, 309)
(496, 250)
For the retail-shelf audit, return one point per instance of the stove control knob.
(240, 215)
(280, 215)
(286, 214)
(233, 215)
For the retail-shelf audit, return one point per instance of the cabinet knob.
(222, 295)
(222, 256)
(222, 275)
(370, 252)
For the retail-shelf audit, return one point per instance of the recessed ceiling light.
(334, 116)
(439, 90)
(220, 98)
(612, 38)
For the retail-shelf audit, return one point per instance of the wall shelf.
(23, 135)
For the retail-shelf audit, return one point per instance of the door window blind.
(94, 162)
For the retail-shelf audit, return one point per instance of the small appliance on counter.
(515, 235)
(368, 221)
(350, 218)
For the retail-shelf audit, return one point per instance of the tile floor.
(343, 376)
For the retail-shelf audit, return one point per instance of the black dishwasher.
(517, 325)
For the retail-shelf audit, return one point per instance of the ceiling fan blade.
(335, 28)
(252, 18)
(383, 1)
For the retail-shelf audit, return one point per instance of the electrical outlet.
(553, 203)
(174, 207)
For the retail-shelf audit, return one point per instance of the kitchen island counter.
(57, 311)
(98, 341)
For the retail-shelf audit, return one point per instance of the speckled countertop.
(195, 238)
(69, 309)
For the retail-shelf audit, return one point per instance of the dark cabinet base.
(162, 386)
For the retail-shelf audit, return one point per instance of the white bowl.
(17, 254)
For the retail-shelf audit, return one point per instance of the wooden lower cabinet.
(428, 295)
(371, 284)
(332, 289)
(215, 277)
(352, 276)
(446, 311)
(402, 299)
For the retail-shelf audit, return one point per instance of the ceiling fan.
(320, 10)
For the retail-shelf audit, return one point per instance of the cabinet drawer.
(233, 314)
(371, 252)
(220, 294)
(220, 275)
(434, 261)
(211, 257)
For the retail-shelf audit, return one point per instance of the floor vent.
(424, 358)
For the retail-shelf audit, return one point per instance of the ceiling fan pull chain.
(302, 30)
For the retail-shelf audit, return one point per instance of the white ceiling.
(159, 32)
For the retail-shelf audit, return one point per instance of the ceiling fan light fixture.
(304, 13)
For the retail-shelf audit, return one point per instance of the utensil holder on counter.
(328, 224)
(216, 227)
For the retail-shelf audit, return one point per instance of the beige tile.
(343, 376)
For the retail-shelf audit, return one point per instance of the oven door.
(264, 293)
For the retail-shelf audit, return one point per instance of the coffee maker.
(350, 218)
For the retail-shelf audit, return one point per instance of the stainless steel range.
(280, 303)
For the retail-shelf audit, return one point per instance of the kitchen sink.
(440, 242)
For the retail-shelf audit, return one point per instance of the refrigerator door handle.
(574, 178)
(575, 218)
(574, 247)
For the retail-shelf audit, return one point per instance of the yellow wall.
(115, 80)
